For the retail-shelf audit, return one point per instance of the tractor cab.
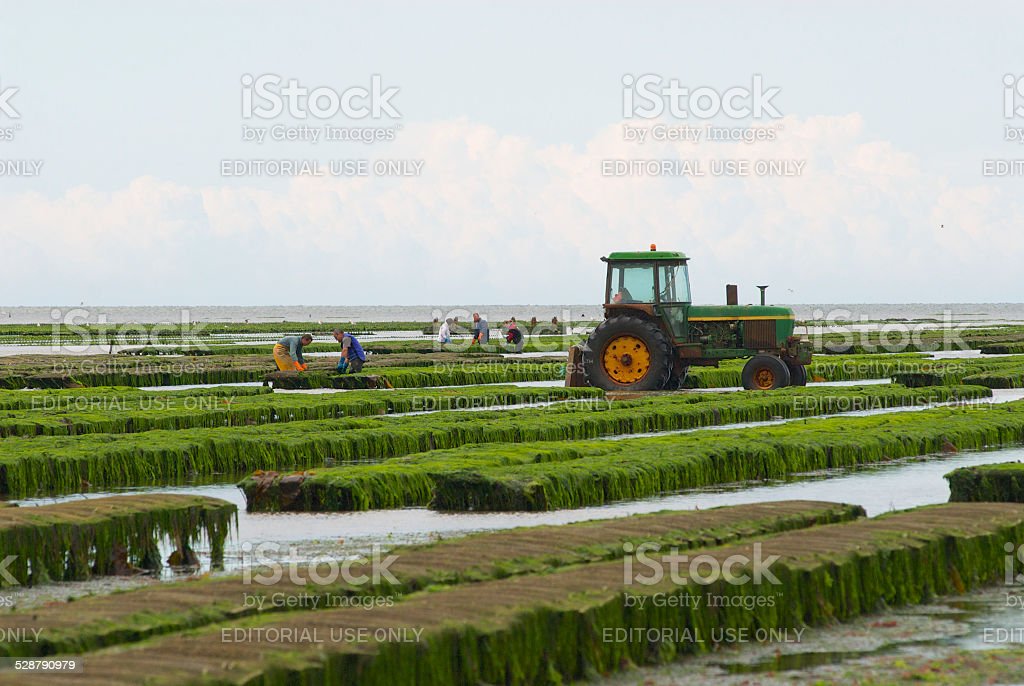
(649, 278)
(655, 283)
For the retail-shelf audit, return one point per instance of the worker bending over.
(515, 336)
(288, 353)
(481, 333)
(352, 355)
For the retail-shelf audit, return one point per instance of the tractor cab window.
(632, 284)
(674, 283)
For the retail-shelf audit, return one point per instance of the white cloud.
(498, 218)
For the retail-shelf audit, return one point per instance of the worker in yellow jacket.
(288, 353)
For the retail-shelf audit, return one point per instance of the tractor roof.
(645, 255)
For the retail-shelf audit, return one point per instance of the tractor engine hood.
(738, 312)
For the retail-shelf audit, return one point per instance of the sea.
(1008, 313)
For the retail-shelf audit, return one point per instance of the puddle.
(811, 384)
(865, 382)
(199, 385)
(523, 384)
(554, 353)
(318, 391)
(70, 350)
(963, 355)
(484, 408)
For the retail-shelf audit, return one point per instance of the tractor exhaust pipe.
(763, 289)
(731, 295)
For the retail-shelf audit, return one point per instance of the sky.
(507, 162)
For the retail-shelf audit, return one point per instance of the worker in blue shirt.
(352, 355)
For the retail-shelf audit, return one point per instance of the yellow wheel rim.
(764, 379)
(626, 359)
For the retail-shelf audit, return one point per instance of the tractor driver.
(623, 296)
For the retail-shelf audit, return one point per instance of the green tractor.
(652, 334)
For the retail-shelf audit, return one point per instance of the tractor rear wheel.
(627, 353)
(797, 374)
(765, 373)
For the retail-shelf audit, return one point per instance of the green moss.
(140, 613)
(406, 370)
(46, 464)
(78, 539)
(116, 398)
(1002, 372)
(75, 412)
(117, 370)
(553, 475)
(988, 339)
(423, 377)
(1002, 482)
(828, 368)
(1002, 349)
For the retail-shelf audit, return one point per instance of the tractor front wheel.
(765, 373)
(627, 353)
